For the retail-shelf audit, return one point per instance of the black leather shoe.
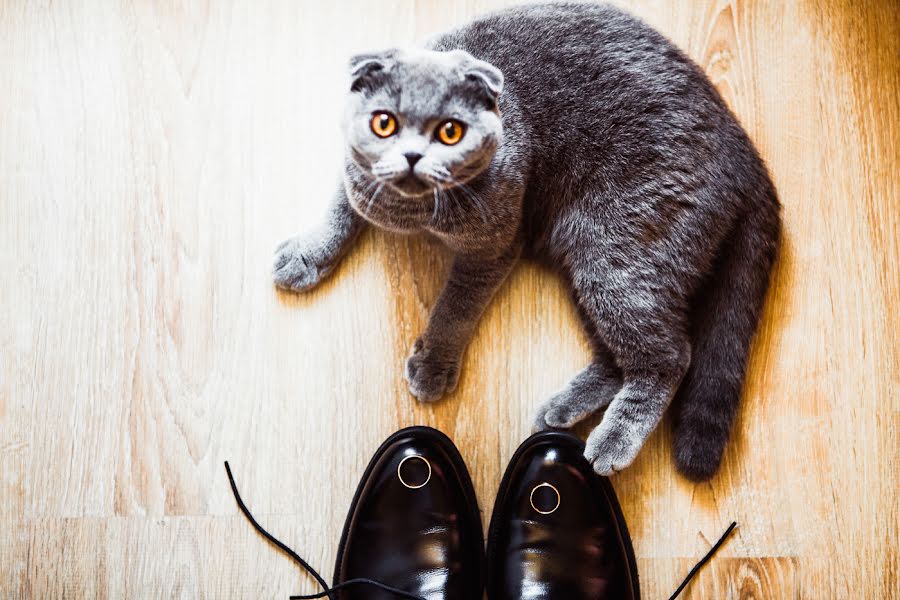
(414, 523)
(557, 532)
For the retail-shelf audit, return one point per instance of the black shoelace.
(704, 560)
(327, 591)
(330, 591)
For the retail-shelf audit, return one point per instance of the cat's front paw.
(564, 410)
(431, 373)
(611, 447)
(301, 263)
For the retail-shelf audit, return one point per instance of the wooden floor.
(152, 154)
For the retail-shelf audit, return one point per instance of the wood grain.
(153, 153)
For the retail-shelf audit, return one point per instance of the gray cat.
(576, 135)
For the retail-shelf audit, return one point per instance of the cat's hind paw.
(429, 374)
(561, 411)
(612, 448)
(583, 396)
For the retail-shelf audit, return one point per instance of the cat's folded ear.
(487, 77)
(365, 69)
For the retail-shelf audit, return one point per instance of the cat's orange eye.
(383, 124)
(450, 132)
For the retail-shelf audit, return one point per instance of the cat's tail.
(724, 318)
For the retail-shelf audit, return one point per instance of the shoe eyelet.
(400, 473)
(555, 491)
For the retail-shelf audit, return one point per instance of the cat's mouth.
(411, 185)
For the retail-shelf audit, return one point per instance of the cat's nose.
(412, 158)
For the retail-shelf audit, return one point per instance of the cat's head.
(419, 120)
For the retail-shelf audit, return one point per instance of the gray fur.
(597, 147)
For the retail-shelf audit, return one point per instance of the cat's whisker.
(370, 187)
(452, 205)
(442, 174)
(373, 196)
(444, 186)
(432, 177)
(388, 171)
(448, 204)
(473, 198)
(437, 204)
